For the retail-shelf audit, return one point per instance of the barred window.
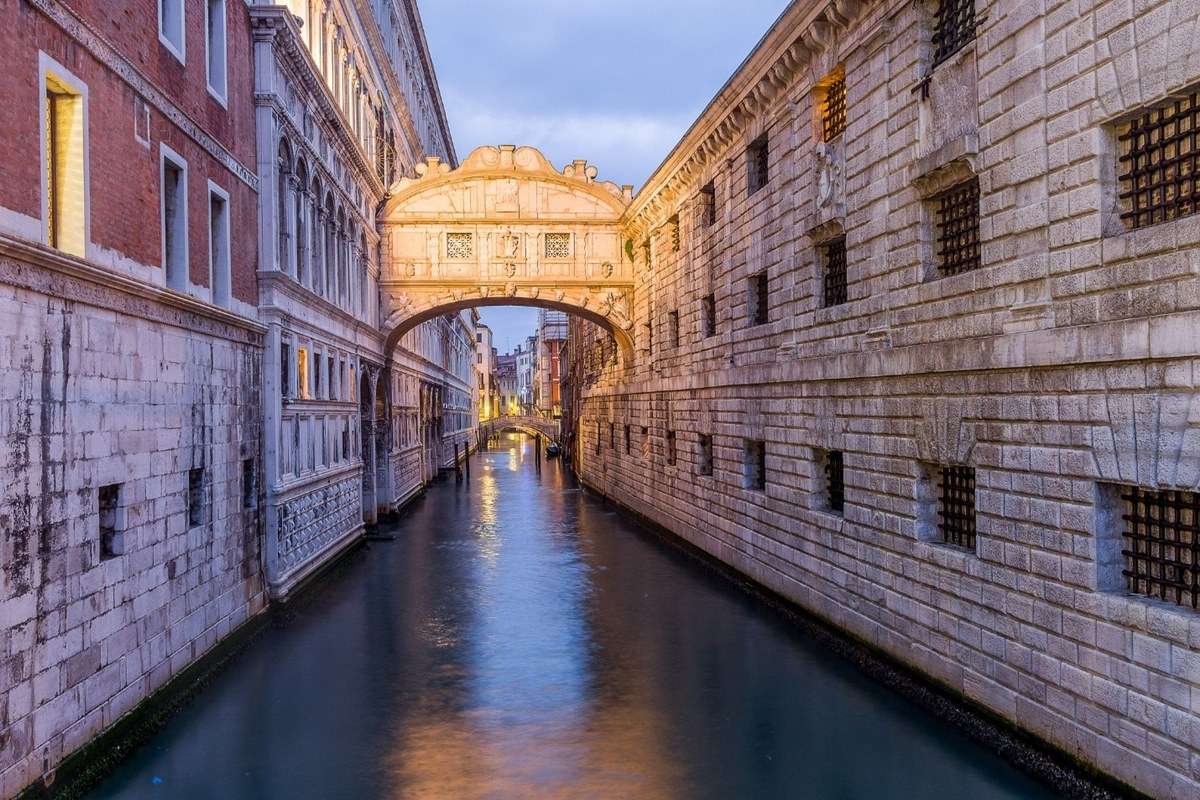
(460, 245)
(708, 310)
(834, 279)
(835, 487)
(708, 204)
(833, 111)
(612, 436)
(755, 465)
(674, 319)
(628, 442)
(673, 226)
(757, 164)
(671, 448)
(956, 506)
(645, 442)
(1161, 544)
(705, 466)
(1160, 163)
(953, 28)
(957, 212)
(558, 245)
(195, 498)
(112, 536)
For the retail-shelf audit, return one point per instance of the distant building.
(551, 339)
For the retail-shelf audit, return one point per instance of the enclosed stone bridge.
(506, 228)
(548, 428)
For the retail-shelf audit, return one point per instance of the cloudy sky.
(614, 81)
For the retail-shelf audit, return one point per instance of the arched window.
(283, 187)
(314, 236)
(329, 232)
(301, 222)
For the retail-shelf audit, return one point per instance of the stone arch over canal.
(506, 228)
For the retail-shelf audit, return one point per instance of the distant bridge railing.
(548, 428)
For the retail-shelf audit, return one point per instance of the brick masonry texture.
(1066, 362)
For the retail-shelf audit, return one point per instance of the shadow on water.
(518, 639)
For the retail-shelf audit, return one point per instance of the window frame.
(219, 92)
(179, 51)
(65, 82)
(758, 164)
(178, 282)
(225, 299)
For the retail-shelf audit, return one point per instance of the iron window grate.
(1162, 544)
(674, 318)
(460, 245)
(835, 272)
(706, 454)
(835, 485)
(708, 202)
(833, 116)
(1160, 163)
(758, 164)
(953, 28)
(958, 228)
(671, 448)
(558, 245)
(756, 465)
(957, 513)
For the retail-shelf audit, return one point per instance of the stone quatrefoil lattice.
(506, 228)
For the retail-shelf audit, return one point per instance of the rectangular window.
(195, 498)
(612, 436)
(285, 363)
(648, 254)
(673, 226)
(302, 386)
(597, 437)
(332, 379)
(216, 50)
(249, 484)
(1159, 543)
(1160, 163)
(671, 448)
(755, 466)
(954, 27)
(112, 525)
(834, 277)
(628, 443)
(174, 219)
(833, 465)
(957, 212)
(708, 204)
(316, 373)
(757, 165)
(645, 442)
(759, 299)
(673, 317)
(956, 506)
(64, 161)
(833, 109)
(705, 462)
(218, 246)
(460, 246)
(558, 245)
(171, 27)
(708, 313)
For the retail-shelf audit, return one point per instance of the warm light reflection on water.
(520, 640)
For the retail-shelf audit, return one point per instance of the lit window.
(171, 27)
(174, 219)
(64, 163)
(302, 373)
(833, 106)
(218, 245)
(215, 43)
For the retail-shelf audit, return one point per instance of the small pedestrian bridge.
(548, 428)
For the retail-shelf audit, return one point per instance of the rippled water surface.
(519, 639)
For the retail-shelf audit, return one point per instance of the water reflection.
(518, 639)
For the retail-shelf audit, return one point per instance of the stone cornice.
(806, 29)
(38, 268)
(271, 280)
(277, 25)
(108, 55)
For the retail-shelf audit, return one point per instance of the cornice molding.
(40, 269)
(108, 55)
(804, 32)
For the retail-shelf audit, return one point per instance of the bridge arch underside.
(437, 307)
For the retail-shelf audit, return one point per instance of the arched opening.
(383, 445)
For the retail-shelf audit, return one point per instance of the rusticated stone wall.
(128, 392)
(1061, 368)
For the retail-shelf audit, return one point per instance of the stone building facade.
(130, 361)
(916, 348)
(344, 98)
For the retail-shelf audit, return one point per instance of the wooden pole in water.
(537, 449)
(467, 458)
(457, 466)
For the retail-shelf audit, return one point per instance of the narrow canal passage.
(519, 639)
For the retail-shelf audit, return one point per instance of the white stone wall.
(120, 390)
(1065, 363)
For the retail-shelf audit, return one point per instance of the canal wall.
(129, 522)
(967, 446)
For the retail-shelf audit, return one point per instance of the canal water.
(520, 639)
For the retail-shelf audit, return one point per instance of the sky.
(616, 82)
